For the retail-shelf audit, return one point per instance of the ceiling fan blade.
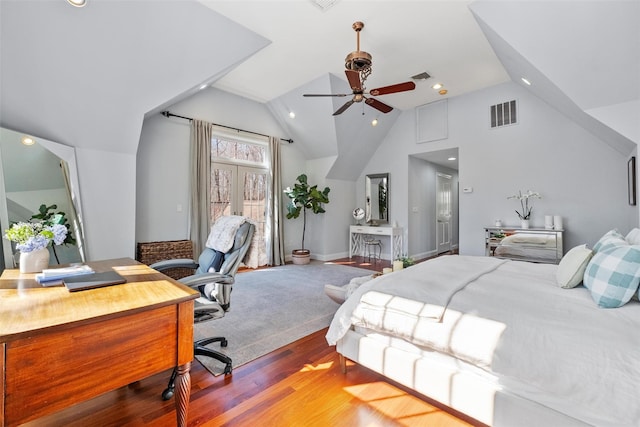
(316, 94)
(343, 108)
(380, 106)
(400, 87)
(354, 80)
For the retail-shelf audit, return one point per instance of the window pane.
(237, 150)
(220, 193)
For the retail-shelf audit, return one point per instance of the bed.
(508, 343)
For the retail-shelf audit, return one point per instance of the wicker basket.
(150, 252)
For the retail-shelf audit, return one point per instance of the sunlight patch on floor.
(318, 367)
(402, 407)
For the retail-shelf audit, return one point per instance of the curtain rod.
(168, 114)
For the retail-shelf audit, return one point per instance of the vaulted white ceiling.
(583, 58)
(87, 77)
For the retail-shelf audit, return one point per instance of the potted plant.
(304, 196)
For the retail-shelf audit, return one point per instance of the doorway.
(432, 224)
(444, 211)
(241, 190)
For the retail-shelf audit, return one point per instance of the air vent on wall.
(503, 114)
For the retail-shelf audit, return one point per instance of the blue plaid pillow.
(610, 238)
(613, 275)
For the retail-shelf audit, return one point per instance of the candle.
(387, 270)
(548, 222)
(557, 222)
(397, 265)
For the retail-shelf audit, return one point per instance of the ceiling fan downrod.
(358, 60)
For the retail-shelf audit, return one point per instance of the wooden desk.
(58, 348)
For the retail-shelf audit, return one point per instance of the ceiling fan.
(358, 68)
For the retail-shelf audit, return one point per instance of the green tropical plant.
(48, 216)
(304, 196)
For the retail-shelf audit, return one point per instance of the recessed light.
(27, 140)
(204, 86)
(451, 158)
(527, 82)
(77, 3)
(374, 122)
(292, 115)
(437, 86)
(442, 91)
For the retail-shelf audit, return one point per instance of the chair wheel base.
(167, 394)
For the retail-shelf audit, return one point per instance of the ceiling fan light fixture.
(374, 122)
(358, 61)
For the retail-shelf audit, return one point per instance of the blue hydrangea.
(59, 233)
(33, 244)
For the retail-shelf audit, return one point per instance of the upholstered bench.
(340, 293)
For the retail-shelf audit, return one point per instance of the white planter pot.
(524, 223)
(301, 256)
(34, 261)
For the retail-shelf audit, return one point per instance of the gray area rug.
(273, 307)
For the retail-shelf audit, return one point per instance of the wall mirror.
(377, 198)
(32, 175)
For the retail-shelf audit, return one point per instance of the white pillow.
(572, 266)
(633, 237)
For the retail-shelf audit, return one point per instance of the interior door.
(443, 212)
(241, 190)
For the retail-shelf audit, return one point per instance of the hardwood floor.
(300, 384)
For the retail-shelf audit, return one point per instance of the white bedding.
(544, 343)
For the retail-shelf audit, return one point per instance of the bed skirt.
(449, 381)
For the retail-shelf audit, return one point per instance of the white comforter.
(547, 344)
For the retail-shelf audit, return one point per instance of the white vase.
(524, 223)
(34, 261)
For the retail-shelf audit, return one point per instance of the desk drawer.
(49, 372)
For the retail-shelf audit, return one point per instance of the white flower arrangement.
(524, 202)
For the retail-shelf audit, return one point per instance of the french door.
(241, 190)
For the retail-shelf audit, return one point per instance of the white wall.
(163, 162)
(163, 177)
(580, 177)
(107, 188)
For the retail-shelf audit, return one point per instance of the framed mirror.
(377, 198)
(44, 172)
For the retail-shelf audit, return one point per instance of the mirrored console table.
(524, 244)
(357, 233)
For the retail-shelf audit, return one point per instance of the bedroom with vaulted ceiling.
(319, 212)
